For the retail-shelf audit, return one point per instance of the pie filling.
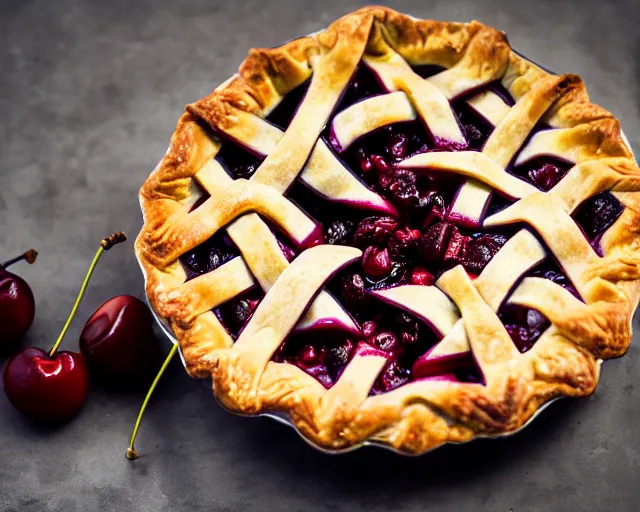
(413, 248)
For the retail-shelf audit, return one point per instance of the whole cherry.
(44, 387)
(17, 305)
(52, 387)
(118, 340)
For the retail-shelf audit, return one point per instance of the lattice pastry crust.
(425, 413)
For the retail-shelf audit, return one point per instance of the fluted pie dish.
(397, 231)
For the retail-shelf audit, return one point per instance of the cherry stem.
(132, 454)
(29, 256)
(105, 245)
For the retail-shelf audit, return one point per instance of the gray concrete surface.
(89, 95)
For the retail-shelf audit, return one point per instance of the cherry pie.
(395, 230)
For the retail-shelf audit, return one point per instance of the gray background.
(89, 96)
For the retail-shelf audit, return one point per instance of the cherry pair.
(116, 343)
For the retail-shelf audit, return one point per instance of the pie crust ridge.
(423, 414)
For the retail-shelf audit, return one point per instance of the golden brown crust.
(424, 414)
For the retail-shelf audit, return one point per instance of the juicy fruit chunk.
(421, 276)
(393, 376)
(354, 292)
(403, 187)
(338, 232)
(237, 312)
(323, 355)
(339, 356)
(434, 242)
(598, 213)
(457, 248)
(546, 177)
(374, 231)
(543, 173)
(208, 256)
(445, 243)
(524, 325)
(474, 136)
(481, 249)
(376, 262)
(385, 340)
(402, 244)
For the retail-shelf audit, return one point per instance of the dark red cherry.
(311, 356)
(338, 232)
(376, 263)
(403, 187)
(118, 339)
(391, 377)
(237, 312)
(408, 327)
(421, 276)
(481, 250)
(339, 355)
(366, 164)
(524, 325)
(374, 231)
(597, 213)
(402, 244)
(385, 340)
(457, 249)
(44, 388)
(434, 242)
(474, 136)
(383, 167)
(17, 308)
(398, 146)
(53, 386)
(353, 291)
(17, 305)
(369, 327)
(546, 176)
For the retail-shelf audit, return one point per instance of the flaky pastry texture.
(422, 414)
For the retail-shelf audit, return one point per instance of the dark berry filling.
(414, 248)
(235, 313)
(281, 115)
(323, 354)
(208, 256)
(596, 215)
(238, 162)
(475, 129)
(444, 246)
(364, 84)
(543, 172)
(461, 367)
(549, 269)
(526, 325)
